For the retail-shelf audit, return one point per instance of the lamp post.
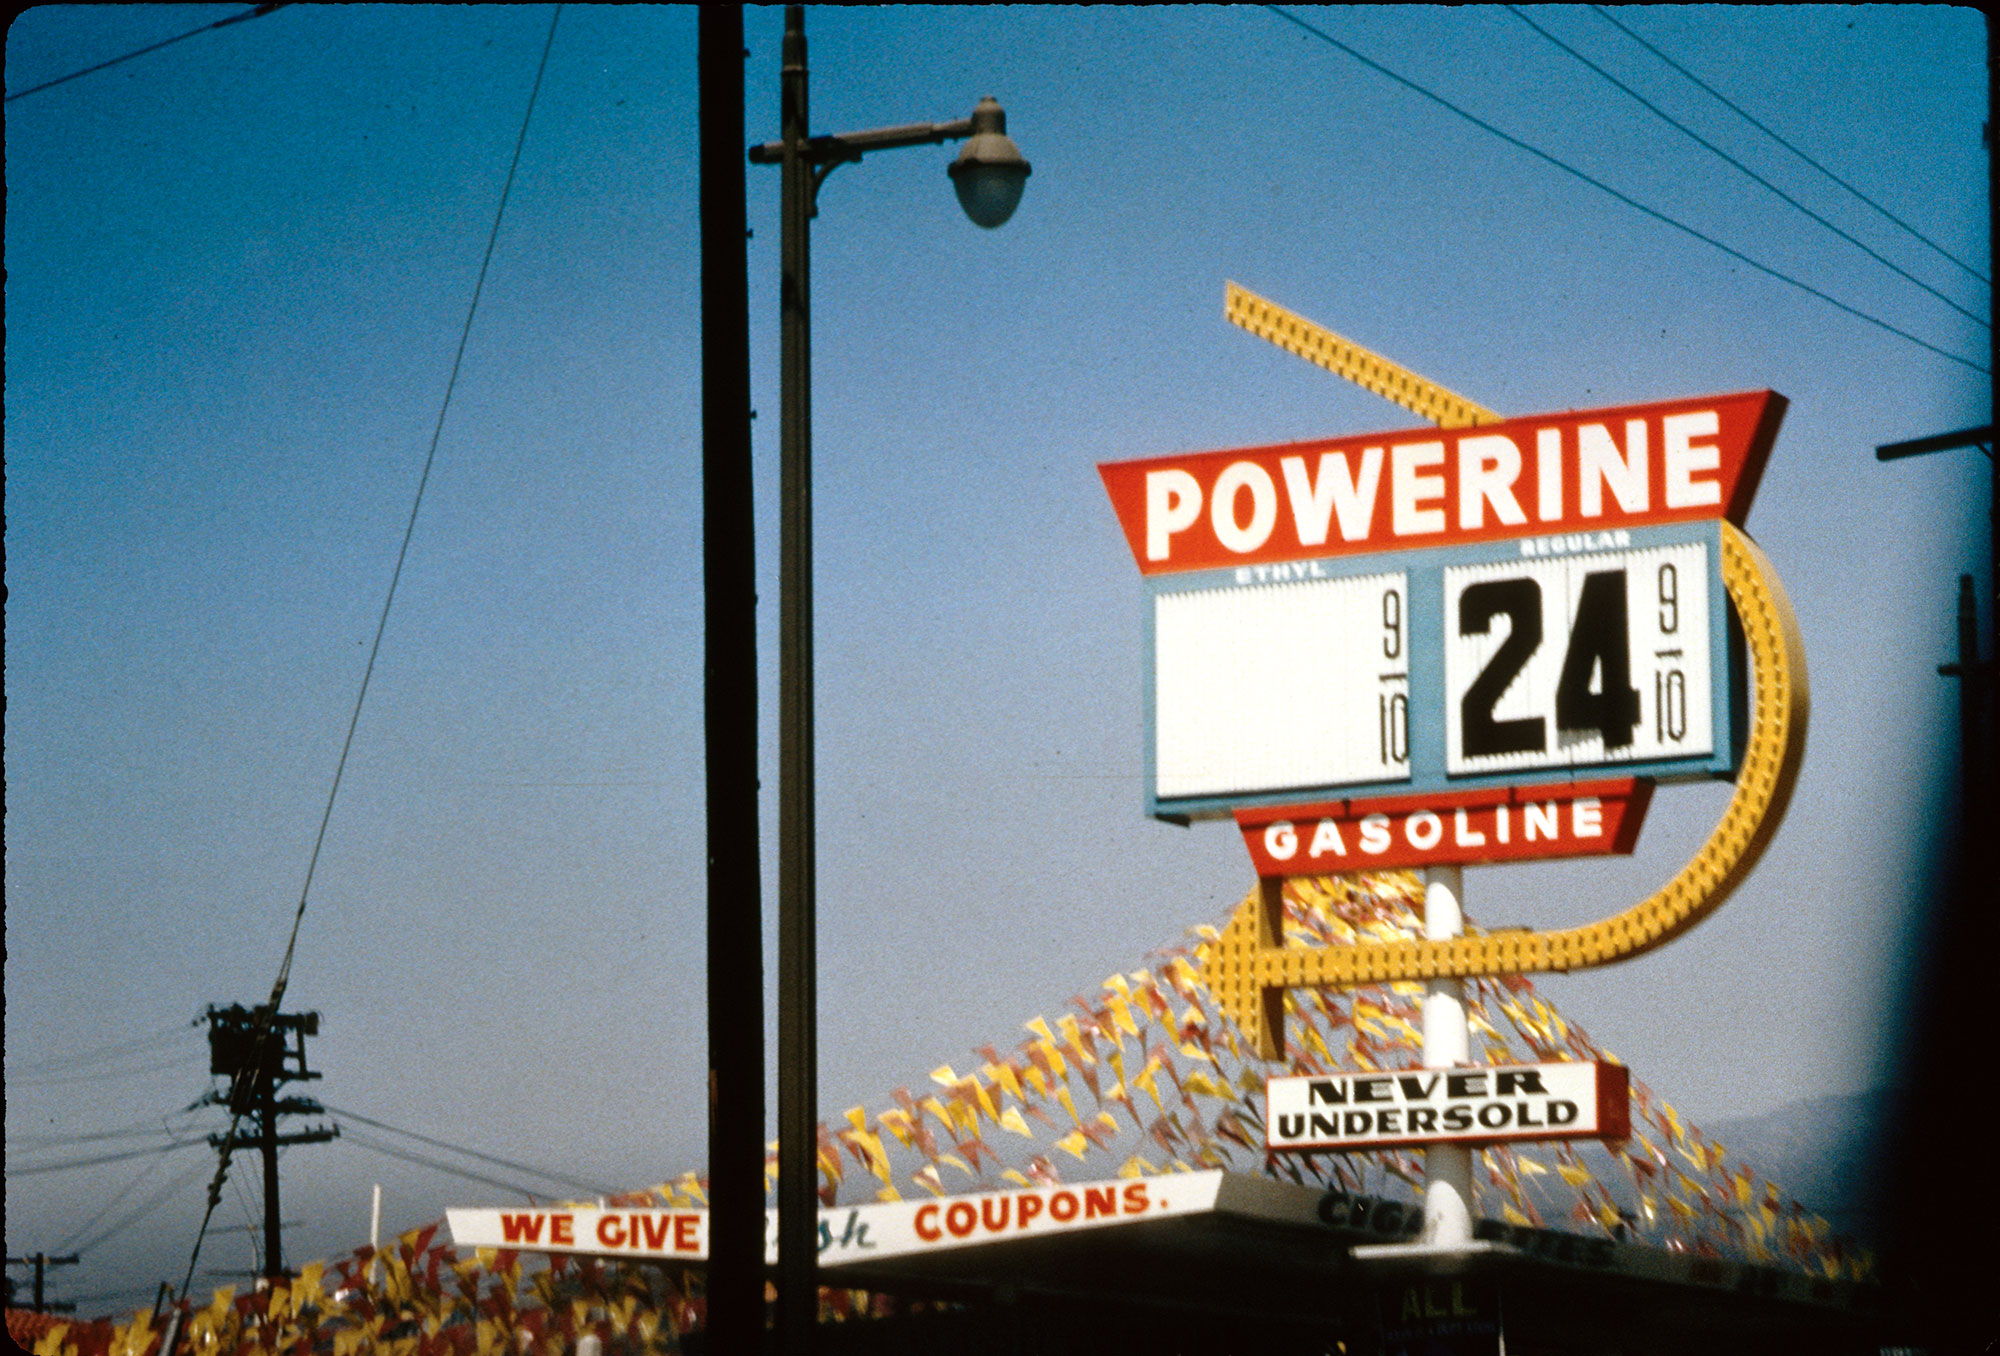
(988, 175)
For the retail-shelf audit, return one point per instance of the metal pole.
(1447, 1043)
(798, 1092)
(267, 1116)
(735, 908)
(1970, 694)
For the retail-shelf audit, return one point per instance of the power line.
(136, 1213)
(592, 1188)
(270, 1012)
(69, 1244)
(38, 1169)
(371, 1143)
(103, 1075)
(1715, 94)
(1628, 200)
(97, 1054)
(410, 528)
(1731, 160)
(249, 1208)
(257, 12)
(136, 1130)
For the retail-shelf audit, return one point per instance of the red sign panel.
(1496, 824)
(1581, 472)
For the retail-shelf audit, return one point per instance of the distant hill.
(1822, 1152)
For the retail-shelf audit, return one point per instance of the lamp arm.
(843, 147)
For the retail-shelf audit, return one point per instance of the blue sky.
(236, 275)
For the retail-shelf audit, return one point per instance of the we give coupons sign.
(852, 1233)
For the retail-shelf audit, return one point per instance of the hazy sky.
(237, 270)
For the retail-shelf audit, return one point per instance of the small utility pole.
(41, 1261)
(256, 1050)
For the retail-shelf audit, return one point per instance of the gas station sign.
(1406, 648)
(1397, 613)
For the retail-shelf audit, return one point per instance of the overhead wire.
(64, 1063)
(269, 1011)
(256, 12)
(39, 1169)
(374, 1145)
(251, 1214)
(133, 1215)
(65, 1080)
(68, 1244)
(114, 1298)
(136, 1130)
(1740, 112)
(1625, 198)
(1738, 165)
(592, 1188)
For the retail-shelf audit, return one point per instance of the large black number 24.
(1598, 647)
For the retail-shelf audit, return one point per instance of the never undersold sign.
(1342, 1111)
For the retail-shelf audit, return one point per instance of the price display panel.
(1502, 663)
(1579, 661)
(1277, 685)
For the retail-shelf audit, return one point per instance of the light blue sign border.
(1425, 630)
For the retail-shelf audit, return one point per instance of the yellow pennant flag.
(1062, 1095)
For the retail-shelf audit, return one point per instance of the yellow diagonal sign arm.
(1249, 968)
(1350, 361)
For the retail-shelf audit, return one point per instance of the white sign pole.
(1447, 1043)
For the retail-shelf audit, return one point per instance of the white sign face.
(848, 1234)
(1567, 1100)
(1582, 660)
(1281, 685)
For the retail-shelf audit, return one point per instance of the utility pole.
(41, 1261)
(735, 908)
(257, 1050)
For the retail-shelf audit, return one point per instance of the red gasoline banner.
(1495, 824)
(1580, 472)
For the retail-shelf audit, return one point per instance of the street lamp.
(988, 175)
